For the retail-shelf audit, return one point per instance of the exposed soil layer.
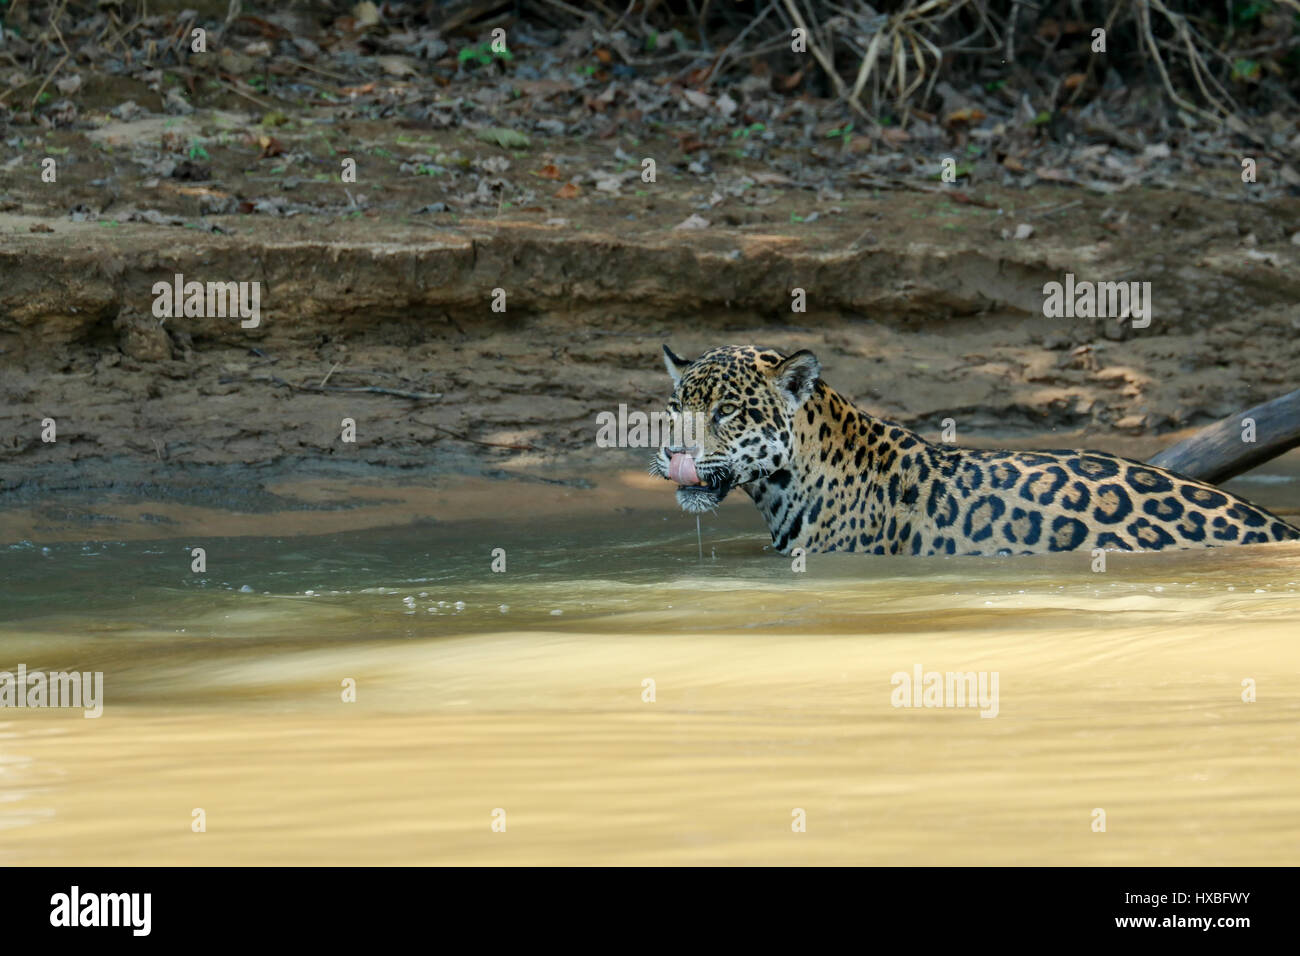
(917, 305)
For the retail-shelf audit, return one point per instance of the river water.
(611, 698)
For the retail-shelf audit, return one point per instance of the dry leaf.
(693, 221)
(549, 171)
(697, 99)
(542, 87)
(968, 114)
(568, 191)
(202, 191)
(505, 138)
(236, 64)
(395, 65)
(690, 143)
(367, 14)
(1054, 175)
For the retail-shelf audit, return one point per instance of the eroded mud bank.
(918, 308)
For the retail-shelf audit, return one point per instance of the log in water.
(1238, 443)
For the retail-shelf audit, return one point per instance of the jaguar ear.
(675, 363)
(797, 375)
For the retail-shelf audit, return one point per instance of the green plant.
(482, 55)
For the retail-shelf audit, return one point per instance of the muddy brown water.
(614, 699)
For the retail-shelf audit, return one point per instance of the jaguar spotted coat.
(828, 477)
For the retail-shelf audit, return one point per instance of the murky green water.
(623, 701)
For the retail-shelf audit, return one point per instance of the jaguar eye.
(728, 408)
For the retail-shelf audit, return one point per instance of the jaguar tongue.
(681, 469)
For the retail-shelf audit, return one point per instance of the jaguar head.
(745, 399)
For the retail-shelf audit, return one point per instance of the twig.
(248, 96)
(373, 389)
(1144, 23)
(865, 232)
(717, 64)
(1010, 37)
(54, 25)
(1052, 212)
(316, 69)
(15, 89)
(232, 14)
(827, 66)
(867, 179)
(1193, 58)
(46, 81)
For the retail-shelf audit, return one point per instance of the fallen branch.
(49, 76)
(1217, 452)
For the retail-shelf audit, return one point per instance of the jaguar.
(827, 476)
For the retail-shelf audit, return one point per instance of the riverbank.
(915, 304)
